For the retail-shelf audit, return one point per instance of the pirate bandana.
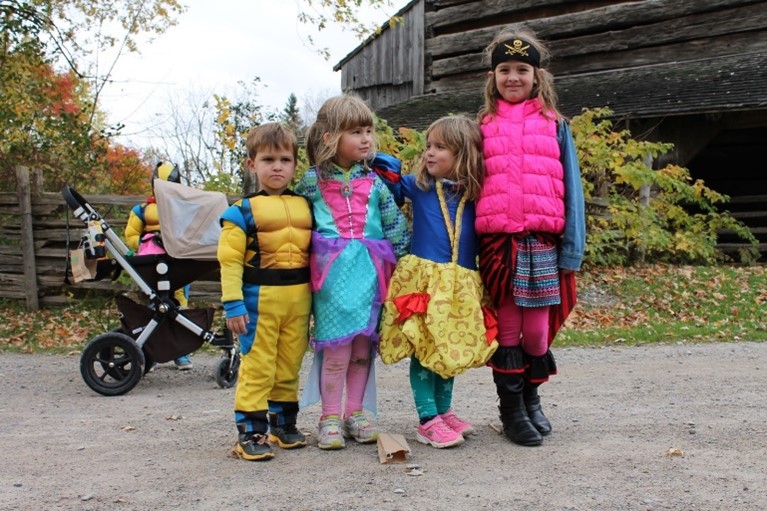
(516, 49)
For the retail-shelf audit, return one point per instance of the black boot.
(533, 407)
(516, 423)
(282, 425)
(537, 371)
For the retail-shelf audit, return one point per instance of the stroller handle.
(78, 204)
(72, 198)
(87, 214)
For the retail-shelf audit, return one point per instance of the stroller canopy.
(189, 220)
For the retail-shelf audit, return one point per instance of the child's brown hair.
(463, 137)
(272, 135)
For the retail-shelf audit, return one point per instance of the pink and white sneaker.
(438, 434)
(459, 426)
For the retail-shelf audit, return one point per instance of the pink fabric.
(523, 188)
(349, 364)
(349, 213)
(528, 326)
(148, 246)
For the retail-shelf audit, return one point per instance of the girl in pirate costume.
(531, 225)
(434, 312)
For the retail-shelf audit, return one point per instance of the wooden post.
(23, 187)
(250, 182)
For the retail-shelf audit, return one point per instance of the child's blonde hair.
(543, 81)
(336, 115)
(463, 137)
(272, 135)
(313, 141)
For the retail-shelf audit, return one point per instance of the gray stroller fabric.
(189, 220)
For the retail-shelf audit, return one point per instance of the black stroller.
(114, 362)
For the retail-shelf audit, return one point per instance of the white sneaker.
(330, 437)
(360, 428)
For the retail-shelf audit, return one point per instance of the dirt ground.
(680, 427)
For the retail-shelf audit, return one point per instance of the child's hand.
(238, 324)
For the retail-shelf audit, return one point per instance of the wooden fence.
(36, 230)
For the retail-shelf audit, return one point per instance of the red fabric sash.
(407, 305)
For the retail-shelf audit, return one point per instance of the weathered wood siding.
(591, 36)
(391, 69)
(439, 48)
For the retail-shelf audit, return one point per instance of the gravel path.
(680, 427)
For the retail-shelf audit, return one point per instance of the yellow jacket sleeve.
(231, 256)
(133, 230)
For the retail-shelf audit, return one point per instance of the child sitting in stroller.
(160, 331)
(143, 236)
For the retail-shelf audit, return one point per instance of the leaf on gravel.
(414, 472)
(128, 428)
(174, 418)
(674, 452)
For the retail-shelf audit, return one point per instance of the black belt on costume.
(271, 277)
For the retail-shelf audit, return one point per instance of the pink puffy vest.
(523, 189)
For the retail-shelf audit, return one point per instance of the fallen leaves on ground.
(660, 293)
(718, 298)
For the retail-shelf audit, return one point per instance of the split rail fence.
(37, 230)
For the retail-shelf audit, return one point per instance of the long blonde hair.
(336, 115)
(463, 137)
(543, 87)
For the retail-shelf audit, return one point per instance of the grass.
(668, 304)
(617, 306)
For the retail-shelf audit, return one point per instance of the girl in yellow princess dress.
(435, 310)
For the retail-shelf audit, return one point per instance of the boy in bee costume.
(264, 257)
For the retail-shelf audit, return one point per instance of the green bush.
(678, 222)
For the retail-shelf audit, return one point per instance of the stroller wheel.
(226, 372)
(112, 364)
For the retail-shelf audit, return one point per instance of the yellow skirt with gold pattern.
(437, 312)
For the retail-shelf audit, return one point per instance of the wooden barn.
(693, 73)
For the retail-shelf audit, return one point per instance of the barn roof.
(731, 83)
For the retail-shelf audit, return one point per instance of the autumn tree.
(204, 133)
(50, 80)
(45, 121)
(677, 223)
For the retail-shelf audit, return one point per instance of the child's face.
(355, 144)
(440, 159)
(274, 167)
(514, 80)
